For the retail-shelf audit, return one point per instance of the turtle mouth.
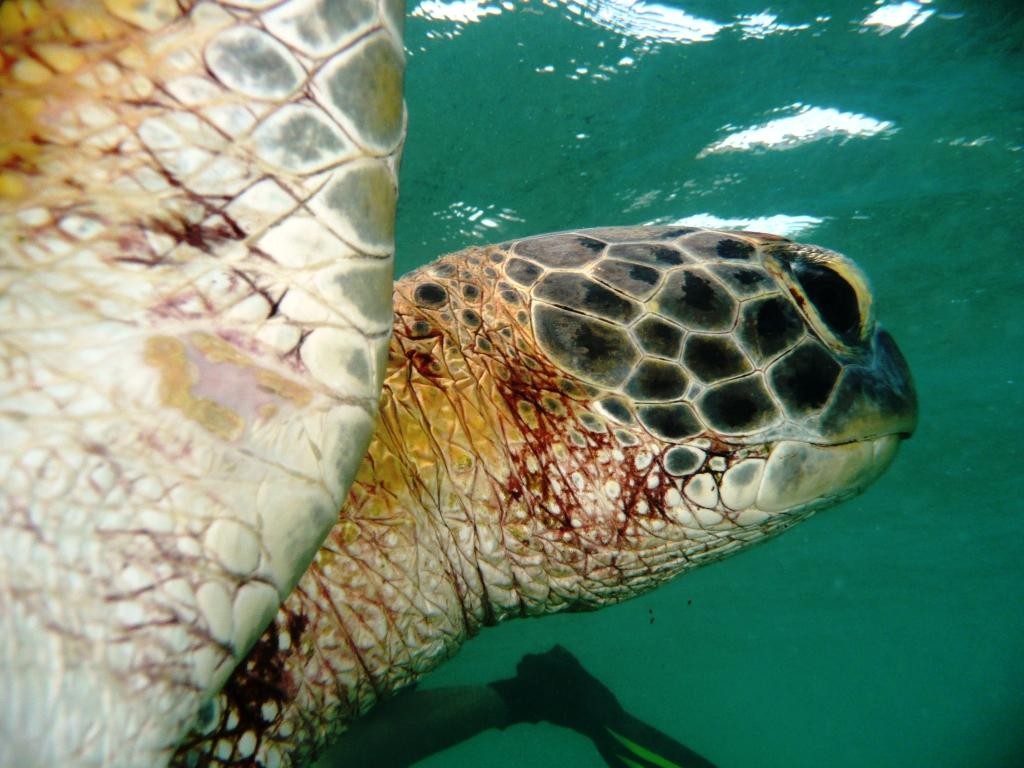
(799, 473)
(899, 435)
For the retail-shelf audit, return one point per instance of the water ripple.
(804, 124)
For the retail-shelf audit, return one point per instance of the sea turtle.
(196, 218)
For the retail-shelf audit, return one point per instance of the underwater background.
(888, 631)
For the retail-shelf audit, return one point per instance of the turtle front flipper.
(196, 226)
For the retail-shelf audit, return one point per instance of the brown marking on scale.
(133, 247)
(255, 694)
(425, 364)
(539, 478)
(206, 236)
(501, 366)
(718, 446)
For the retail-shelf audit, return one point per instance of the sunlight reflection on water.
(803, 125)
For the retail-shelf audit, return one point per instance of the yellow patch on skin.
(421, 447)
(528, 413)
(347, 531)
(472, 416)
(49, 53)
(461, 460)
(391, 474)
(60, 57)
(216, 350)
(177, 378)
(131, 57)
(518, 531)
(11, 186)
(146, 14)
(19, 16)
(283, 387)
(90, 23)
(29, 72)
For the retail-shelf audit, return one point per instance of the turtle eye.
(833, 297)
(830, 290)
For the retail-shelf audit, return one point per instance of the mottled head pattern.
(704, 333)
(698, 353)
(567, 421)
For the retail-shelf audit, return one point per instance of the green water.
(888, 631)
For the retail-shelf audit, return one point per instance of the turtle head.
(657, 398)
(741, 382)
(843, 388)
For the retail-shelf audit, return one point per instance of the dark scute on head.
(833, 297)
(670, 421)
(507, 293)
(743, 280)
(443, 269)
(694, 300)
(583, 346)
(658, 337)
(576, 291)
(648, 253)
(562, 250)
(430, 295)
(496, 256)
(712, 246)
(894, 368)
(681, 460)
(470, 318)
(656, 380)
(769, 326)
(804, 378)
(738, 406)
(617, 409)
(421, 329)
(671, 233)
(712, 358)
(635, 279)
(885, 388)
(522, 271)
(728, 248)
(471, 291)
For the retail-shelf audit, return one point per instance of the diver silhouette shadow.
(551, 686)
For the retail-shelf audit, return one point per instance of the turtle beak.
(895, 394)
(873, 410)
(875, 396)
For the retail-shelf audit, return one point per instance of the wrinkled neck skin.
(491, 490)
(494, 490)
